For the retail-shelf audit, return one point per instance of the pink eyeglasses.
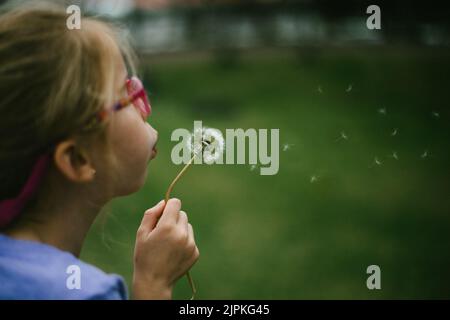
(136, 96)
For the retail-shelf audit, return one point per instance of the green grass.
(281, 236)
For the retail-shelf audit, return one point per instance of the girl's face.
(133, 141)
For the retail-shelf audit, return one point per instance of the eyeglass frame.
(132, 97)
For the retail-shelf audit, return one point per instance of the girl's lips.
(154, 152)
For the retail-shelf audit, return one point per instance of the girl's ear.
(73, 162)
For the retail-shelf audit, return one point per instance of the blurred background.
(364, 145)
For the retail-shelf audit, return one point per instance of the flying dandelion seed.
(394, 133)
(253, 167)
(343, 136)
(382, 111)
(287, 146)
(349, 88)
(319, 89)
(313, 179)
(376, 162)
(394, 155)
(435, 114)
(425, 154)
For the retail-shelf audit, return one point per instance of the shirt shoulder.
(31, 270)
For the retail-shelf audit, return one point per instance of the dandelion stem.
(169, 190)
(178, 177)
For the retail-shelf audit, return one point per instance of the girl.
(73, 135)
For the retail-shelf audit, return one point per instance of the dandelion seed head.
(207, 142)
(194, 147)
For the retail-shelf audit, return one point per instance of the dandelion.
(209, 144)
(349, 88)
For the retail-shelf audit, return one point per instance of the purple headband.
(11, 208)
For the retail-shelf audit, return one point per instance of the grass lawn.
(332, 210)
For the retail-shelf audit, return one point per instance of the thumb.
(151, 216)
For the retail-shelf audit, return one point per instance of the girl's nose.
(154, 131)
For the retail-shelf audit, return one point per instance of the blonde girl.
(74, 135)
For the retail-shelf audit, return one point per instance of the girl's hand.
(165, 250)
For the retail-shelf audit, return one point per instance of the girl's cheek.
(143, 142)
(133, 142)
(132, 137)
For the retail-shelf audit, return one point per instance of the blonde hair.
(53, 82)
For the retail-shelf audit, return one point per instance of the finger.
(170, 214)
(191, 233)
(183, 220)
(151, 217)
(191, 240)
(195, 256)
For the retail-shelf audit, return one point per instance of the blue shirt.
(32, 270)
